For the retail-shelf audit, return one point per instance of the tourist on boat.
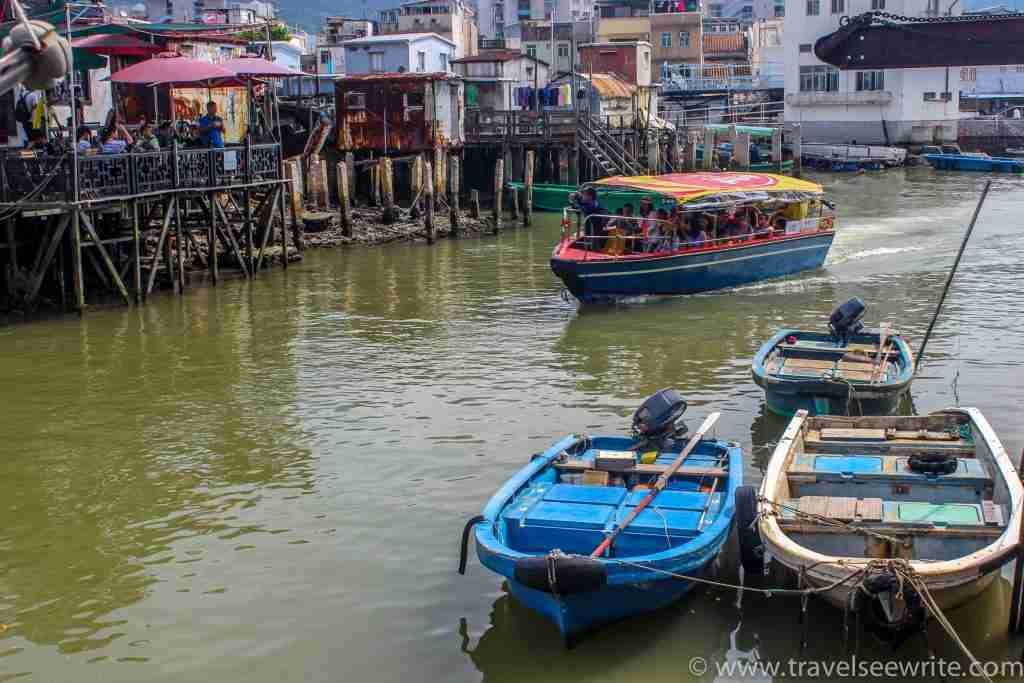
(764, 226)
(656, 234)
(586, 203)
(648, 216)
(696, 233)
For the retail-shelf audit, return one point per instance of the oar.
(658, 485)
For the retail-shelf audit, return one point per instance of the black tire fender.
(751, 547)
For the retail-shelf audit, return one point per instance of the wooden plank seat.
(886, 476)
(806, 367)
(851, 353)
(878, 440)
(895, 517)
(654, 470)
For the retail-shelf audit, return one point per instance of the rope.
(851, 392)
(829, 521)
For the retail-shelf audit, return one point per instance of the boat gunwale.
(696, 552)
(768, 381)
(824, 569)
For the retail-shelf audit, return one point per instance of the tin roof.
(503, 55)
(610, 85)
(394, 38)
(397, 77)
(728, 42)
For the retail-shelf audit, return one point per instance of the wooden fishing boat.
(593, 529)
(848, 370)
(802, 227)
(886, 515)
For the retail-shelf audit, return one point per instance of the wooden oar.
(658, 485)
(882, 358)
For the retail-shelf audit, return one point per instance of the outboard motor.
(845, 321)
(655, 420)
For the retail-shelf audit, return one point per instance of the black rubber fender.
(751, 547)
(572, 574)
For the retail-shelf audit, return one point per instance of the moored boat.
(748, 227)
(886, 515)
(974, 162)
(594, 529)
(847, 370)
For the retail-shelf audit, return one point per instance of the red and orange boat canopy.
(686, 187)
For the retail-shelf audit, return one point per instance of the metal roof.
(394, 38)
(503, 55)
(609, 85)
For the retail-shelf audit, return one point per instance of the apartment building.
(455, 20)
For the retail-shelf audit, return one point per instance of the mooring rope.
(831, 521)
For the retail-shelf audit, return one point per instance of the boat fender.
(561, 574)
(905, 621)
(465, 541)
(933, 463)
(751, 547)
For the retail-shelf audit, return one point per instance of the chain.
(883, 17)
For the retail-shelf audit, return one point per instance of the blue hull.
(963, 162)
(689, 273)
(577, 614)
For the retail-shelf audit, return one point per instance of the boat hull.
(577, 614)
(692, 272)
(966, 162)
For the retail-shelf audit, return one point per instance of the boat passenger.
(615, 243)
(647, 213)
(742, 231)
(586, 203)
(696, 234)
(657, 233)
(763, 227)
(729, 226)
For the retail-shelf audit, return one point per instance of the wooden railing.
(484, 126)
(48, 178)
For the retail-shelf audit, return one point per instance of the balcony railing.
(498, 125)
(48, 178)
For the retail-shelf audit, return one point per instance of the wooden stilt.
(513, 195)
(229, 233)
(499, 185)
(248, 223)
(440, 173)
(115, 277)
(375, 185)
(211, 239)
(798, 151)
(453, 195)
(180, 243)
(136, 254)
(709, 150)
(344, 205)
(563, 166)
(284, 229)
(777, 149)
(161, 248)
(528, 198)
(266, 224)
(428, 201)
(77, 275)
(474, 204)
(387, 184)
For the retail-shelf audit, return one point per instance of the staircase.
(599, 144)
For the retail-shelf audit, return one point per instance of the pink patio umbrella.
(116, 45)
(169, 68)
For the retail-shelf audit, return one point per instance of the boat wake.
(870, 253)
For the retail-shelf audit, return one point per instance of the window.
(747, 12)
(929, 97)
(838, 6)
(870, 80)
(969, 74)
(716, 10)
(933, 8)
(355, 100)
(531, 51)
(443, 58)
(684, 39)
(413, 103)
(780, 11)
(377, 62)
(325, 57)
(421, 61)
(666, 39)
(529, 72)
(877, 4)
(813, 8)
(819, 79)
(805, 48)
(563, 50)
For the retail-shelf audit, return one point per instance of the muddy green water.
(266, 481)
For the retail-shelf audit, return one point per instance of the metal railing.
(693, 115)
(484, 125)
(49, 178)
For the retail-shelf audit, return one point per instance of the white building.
(890, 106)
(500, 19)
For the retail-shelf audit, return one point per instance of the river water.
(266, 480)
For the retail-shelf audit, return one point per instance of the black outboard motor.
(845, 321)
(655, 420)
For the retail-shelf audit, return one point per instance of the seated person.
(85, 140)
(111, 143)
(763, 227)
(645, 212)
(165, 135)
(742, 231)
(656, 231)
(696, 234)
(728, 226)
(147, 141)
(615, 244)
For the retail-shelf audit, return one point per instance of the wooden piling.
(211, 239)
(513, 196)
(77, 278)
(528, 189)
(709, 149)
(350, 163)
(777, 149)
(499, 185)
(440, 173)
(344, 204)
(453, 195)
(474, 204)
(374, 185)
(741, 151)
(428, 203)
(387, 186)
(136, 254)
(180, 243)
(691, 152)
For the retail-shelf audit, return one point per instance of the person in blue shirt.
(211, 128)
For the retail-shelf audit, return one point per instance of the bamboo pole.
(528, 189)
(499, 184)
(344, 206)
(453, 197)
(180, 244)
(428, 201)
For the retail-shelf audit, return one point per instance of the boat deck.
(860, 478)
(855, 362)
(581, 500)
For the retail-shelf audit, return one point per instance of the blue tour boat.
(592, 530)
(849, 370)
(608, 257)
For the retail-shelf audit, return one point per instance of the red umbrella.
(257, 66)
(116, 45)
(170, 67)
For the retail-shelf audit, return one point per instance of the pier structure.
(78, 228)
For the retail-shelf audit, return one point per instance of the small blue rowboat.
(712, 231)
(541, 529)
(847, 371)
(975, 162)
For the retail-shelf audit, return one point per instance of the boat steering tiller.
(845, 321)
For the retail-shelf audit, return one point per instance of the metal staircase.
(599, 144)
